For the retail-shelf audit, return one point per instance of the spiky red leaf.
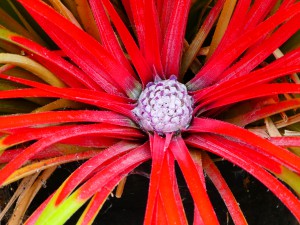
(261, 145)
(193, 180)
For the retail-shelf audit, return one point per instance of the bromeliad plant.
(117, 85)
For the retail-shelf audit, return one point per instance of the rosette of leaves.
(72, 73)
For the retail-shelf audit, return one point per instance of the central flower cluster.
(164, 106)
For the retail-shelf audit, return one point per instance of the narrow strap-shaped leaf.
(83, 49)
(18, 136)
(97, 98)
(28, 134)
(159, 217)
(258, 12)
(69, 94)
(70, 74)
(153, 37)
(87, 18)
(212, 70)
(31, 119)
(260, 52)
(291, 141)
(216, 177)
(95, 141)
(143, 69)
(264, 111)
(31, 66)
(137, 10)
(221, 26)
(236, 25)
(158, 149)
(197, 157)
(47, 163)
(257, 157)
(287, 64)
(257, 91)
(22, 135)
(89, 166)
(37, 212)
(174, 36)
(280, 155)
(193, 181)
(69, 38)
(102, 183)
(91, 211)
(14, 121)
(54, 138)
(148, 31)
(164, 9)
(57, 150)
(169, 192)
(89, 94)
(279, 190)
(190, 54)
(197, 218)
(107, 34)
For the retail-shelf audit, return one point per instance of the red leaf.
(256, 91)
(84, 50)
(288, 64)
(137, 11)
(54, 151)
(109, 176)
(105, 180)
(193, 181)
(257, 13)
(174, 36)
(91, 211)
(50, 152)
(139, 62)
(240, 150)
(107, 34)
(281, 191)
(158, 146)
(32, 119)
(236, 25)
(169, 192)
(164, 8)
(58, 136)
(92, 141)
(214, 68)
(159, 217)
(293, 141)
(70, 74)
(263, 146)
(97, 98)
(28, 134)
(153, 36)
(148, 30)
(260, 52)
(91, 165)
(222, 187)
(191, 53)
(264, 111)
